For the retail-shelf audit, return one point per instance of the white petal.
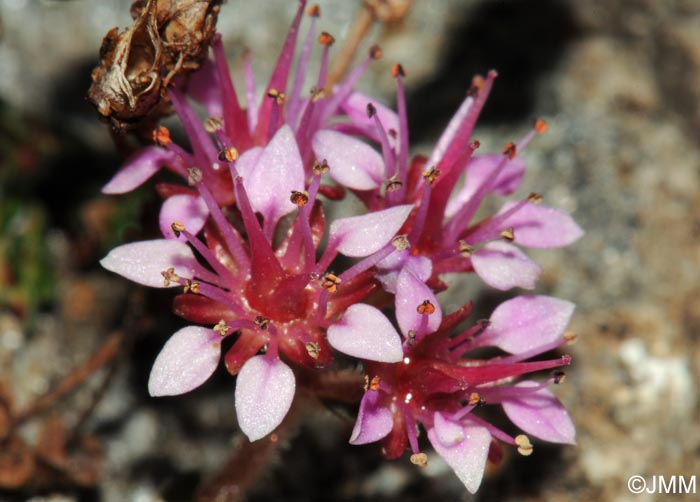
(368, 233)
(365, 333)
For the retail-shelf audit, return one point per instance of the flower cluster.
(245, 239)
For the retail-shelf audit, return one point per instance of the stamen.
(397, 71)
(326, 39)
(169, 276)
(262, 322)
(331, 282)
(534, 198)
(541, 126)
(222, 328)
(558, 377)
(411, 341)
(161, 136)
(321, 168)
(213, 124)
(419, 459)
(191, 287)
(475, 399)
(177, 228)
(300, 199)
(194, 176)
(510, 150)
(400, 242)
(228, 155)
(374, 384)
(508, 234)
(570, 337)
(430, 175)
(313, 349)
(314, 11)
(426, 308)
(465, 249)
(524, 445)
(393, 184)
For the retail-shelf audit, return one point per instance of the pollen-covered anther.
(228, 155)
(510, 150)
(375, 52)
(261, 322)
(419, 459)
(393, 184)
(371, 110)
(540, 126)
(524, 445)
(465, 249)
(400, 242)
(161, 136)
(191, 287)
(298, 198)
(366, 387)
(534, 197)
(326, 39)
(177, 228)
(508, 234)
(426, 308)
(330, 282)
(558, 377)
(278, 96)
(313, 349)
(213, 124)
(477, 84)
(475, 399)
(321, 167)
(222, 328)
(374, 383)
(314, 11)
(169, 276)
(398, 71)
(570, 337)
(194, 176)
(431, 174)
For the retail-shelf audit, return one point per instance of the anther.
(510, 150)
(411, 337)
(213, 124)
(374, 383)
(535, 198)
(541, 126)
(228, 155)
(392, 132)
(474, 144)
(169, 276)
(194, 176)
(400, 242)
(508, 234)
(426, 308)
(398, 71)
(393, 184)
(366, 387)
(558, 376)
(375, 52)
(326, 39)
(477, 84)
(321, 167)
(313, 349)
(465, 249)
(278, 96)
(419, 459)
(330, 282)
(371, 110)
(191, 287)
(475, 399)
(177, 228)
(524, 445)
(317, 94)
(161, 136)
(314, 11)
(261, 322)
(299, 199)
(222, 328)
(430, 175)
(570, 337)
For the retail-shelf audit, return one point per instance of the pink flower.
(438, 385)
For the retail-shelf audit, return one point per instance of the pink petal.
(480, 168)
(353, 163)
(187, 209)
(504, 266)
(366, 234)
(539, 226)
(365, 333)
(410, 293)
(449, 433)
(468, 457)
(356, 108)
(374, 421)
(143, 262)
(277, 172)
(389, 268)
(186, 361)
(528, 322)
(203, 85)
(541, 414)
(264, 392)
(138, 168)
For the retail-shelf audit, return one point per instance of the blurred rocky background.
(619, 83)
